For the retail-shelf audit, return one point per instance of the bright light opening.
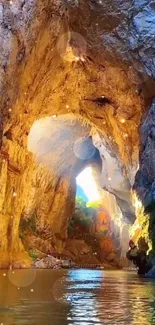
(87, 182)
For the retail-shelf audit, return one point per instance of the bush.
(82, 219)
(21, 235)
(28, 224)
(32, 254)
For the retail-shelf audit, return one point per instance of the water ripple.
(79, 297)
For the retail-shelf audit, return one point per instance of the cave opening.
(86, 186)
(73, 214)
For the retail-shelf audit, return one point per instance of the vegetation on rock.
(85, 224)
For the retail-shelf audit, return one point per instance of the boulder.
(48, 262)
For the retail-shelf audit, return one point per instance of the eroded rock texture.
(92, 60)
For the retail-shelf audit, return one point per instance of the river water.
(80, 296)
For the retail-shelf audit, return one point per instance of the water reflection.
(82, 296)
(78, 297)
(111, 298)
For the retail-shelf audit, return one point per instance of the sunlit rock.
(93, 63)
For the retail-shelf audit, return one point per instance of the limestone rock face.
(92, 61)
(13, 162)
(145, 177)
(144, 183)
(114, 179)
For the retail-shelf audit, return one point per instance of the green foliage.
(33, 254)
(80, 201)
(28, 224)
(21, 235)
(71, 229)
(102, 233)
(94, 204)
(82, 219)
(86, 208)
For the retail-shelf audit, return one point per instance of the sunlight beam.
(86, 180)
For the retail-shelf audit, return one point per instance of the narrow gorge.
(76, 91)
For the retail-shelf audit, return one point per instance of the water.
(56, 297)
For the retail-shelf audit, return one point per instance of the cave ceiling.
(91, 61)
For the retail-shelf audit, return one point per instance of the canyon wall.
(93, 60)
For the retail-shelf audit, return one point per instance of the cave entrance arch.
(62, 147)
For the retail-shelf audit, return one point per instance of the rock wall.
(39, 187)
(13, 162)
(144, 181)
(113, 220)
(93, 60)
(116, 177)
(30, 191)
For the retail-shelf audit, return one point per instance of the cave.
(77, 161)
(63, 150)
(77, 90)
